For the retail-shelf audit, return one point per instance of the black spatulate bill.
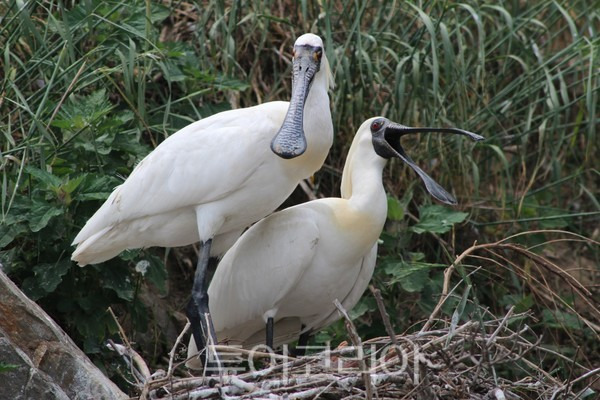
(386, 140)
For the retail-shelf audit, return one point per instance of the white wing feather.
(264, 261)
(364, 277)
(169, 178)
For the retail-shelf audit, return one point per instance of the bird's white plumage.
(294, 263)
(211, 179)
(310, 39)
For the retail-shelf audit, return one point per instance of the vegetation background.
(88, 88)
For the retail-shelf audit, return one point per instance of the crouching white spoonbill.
(212, 179)
(281, 277)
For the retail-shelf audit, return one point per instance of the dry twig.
(458, 362)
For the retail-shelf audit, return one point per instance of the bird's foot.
(204, 336)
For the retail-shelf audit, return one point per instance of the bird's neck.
(318, 126)
(362, 183)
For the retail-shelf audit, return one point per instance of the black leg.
(198, 312)
(302, 342)
(269, 341)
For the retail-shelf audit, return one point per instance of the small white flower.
(142, 267)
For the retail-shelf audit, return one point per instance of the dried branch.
(454, 360)
(357, 342)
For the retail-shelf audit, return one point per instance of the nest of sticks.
(459, 361)
(491, 357)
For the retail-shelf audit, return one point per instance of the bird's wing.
(263, 266)
(199, 164)
(364, 277)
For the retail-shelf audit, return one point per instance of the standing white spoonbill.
(212, 179)
(281, 277)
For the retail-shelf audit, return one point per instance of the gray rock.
(48, 364)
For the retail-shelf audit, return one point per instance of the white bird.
(288, 268)
(212, 179)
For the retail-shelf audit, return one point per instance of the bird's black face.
(384, 146)
(386, 143)
(290, 141)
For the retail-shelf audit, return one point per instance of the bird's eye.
(318, 54)
(376, 125)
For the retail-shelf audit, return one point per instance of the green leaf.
(521, 303)
(8, 233)
(130, 254)
(395, 209)
(457, 314)
(62, 124)
(50, 275)
(46, 278)
(72, 184)
(588, 392)
(96, 187)
(413, 275)
(437, 219)
(7, 367)
(365, 305)
(552, 223)
(138, 20)
(171, 71)
(416, 281)
(41, 213)
(82, 111)
(118, 280)
(93, 325)
(561, 319)
(323, 337)
(153, 269)
(139, 315)
(358, 310)
(7, 259)
(43, 176)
